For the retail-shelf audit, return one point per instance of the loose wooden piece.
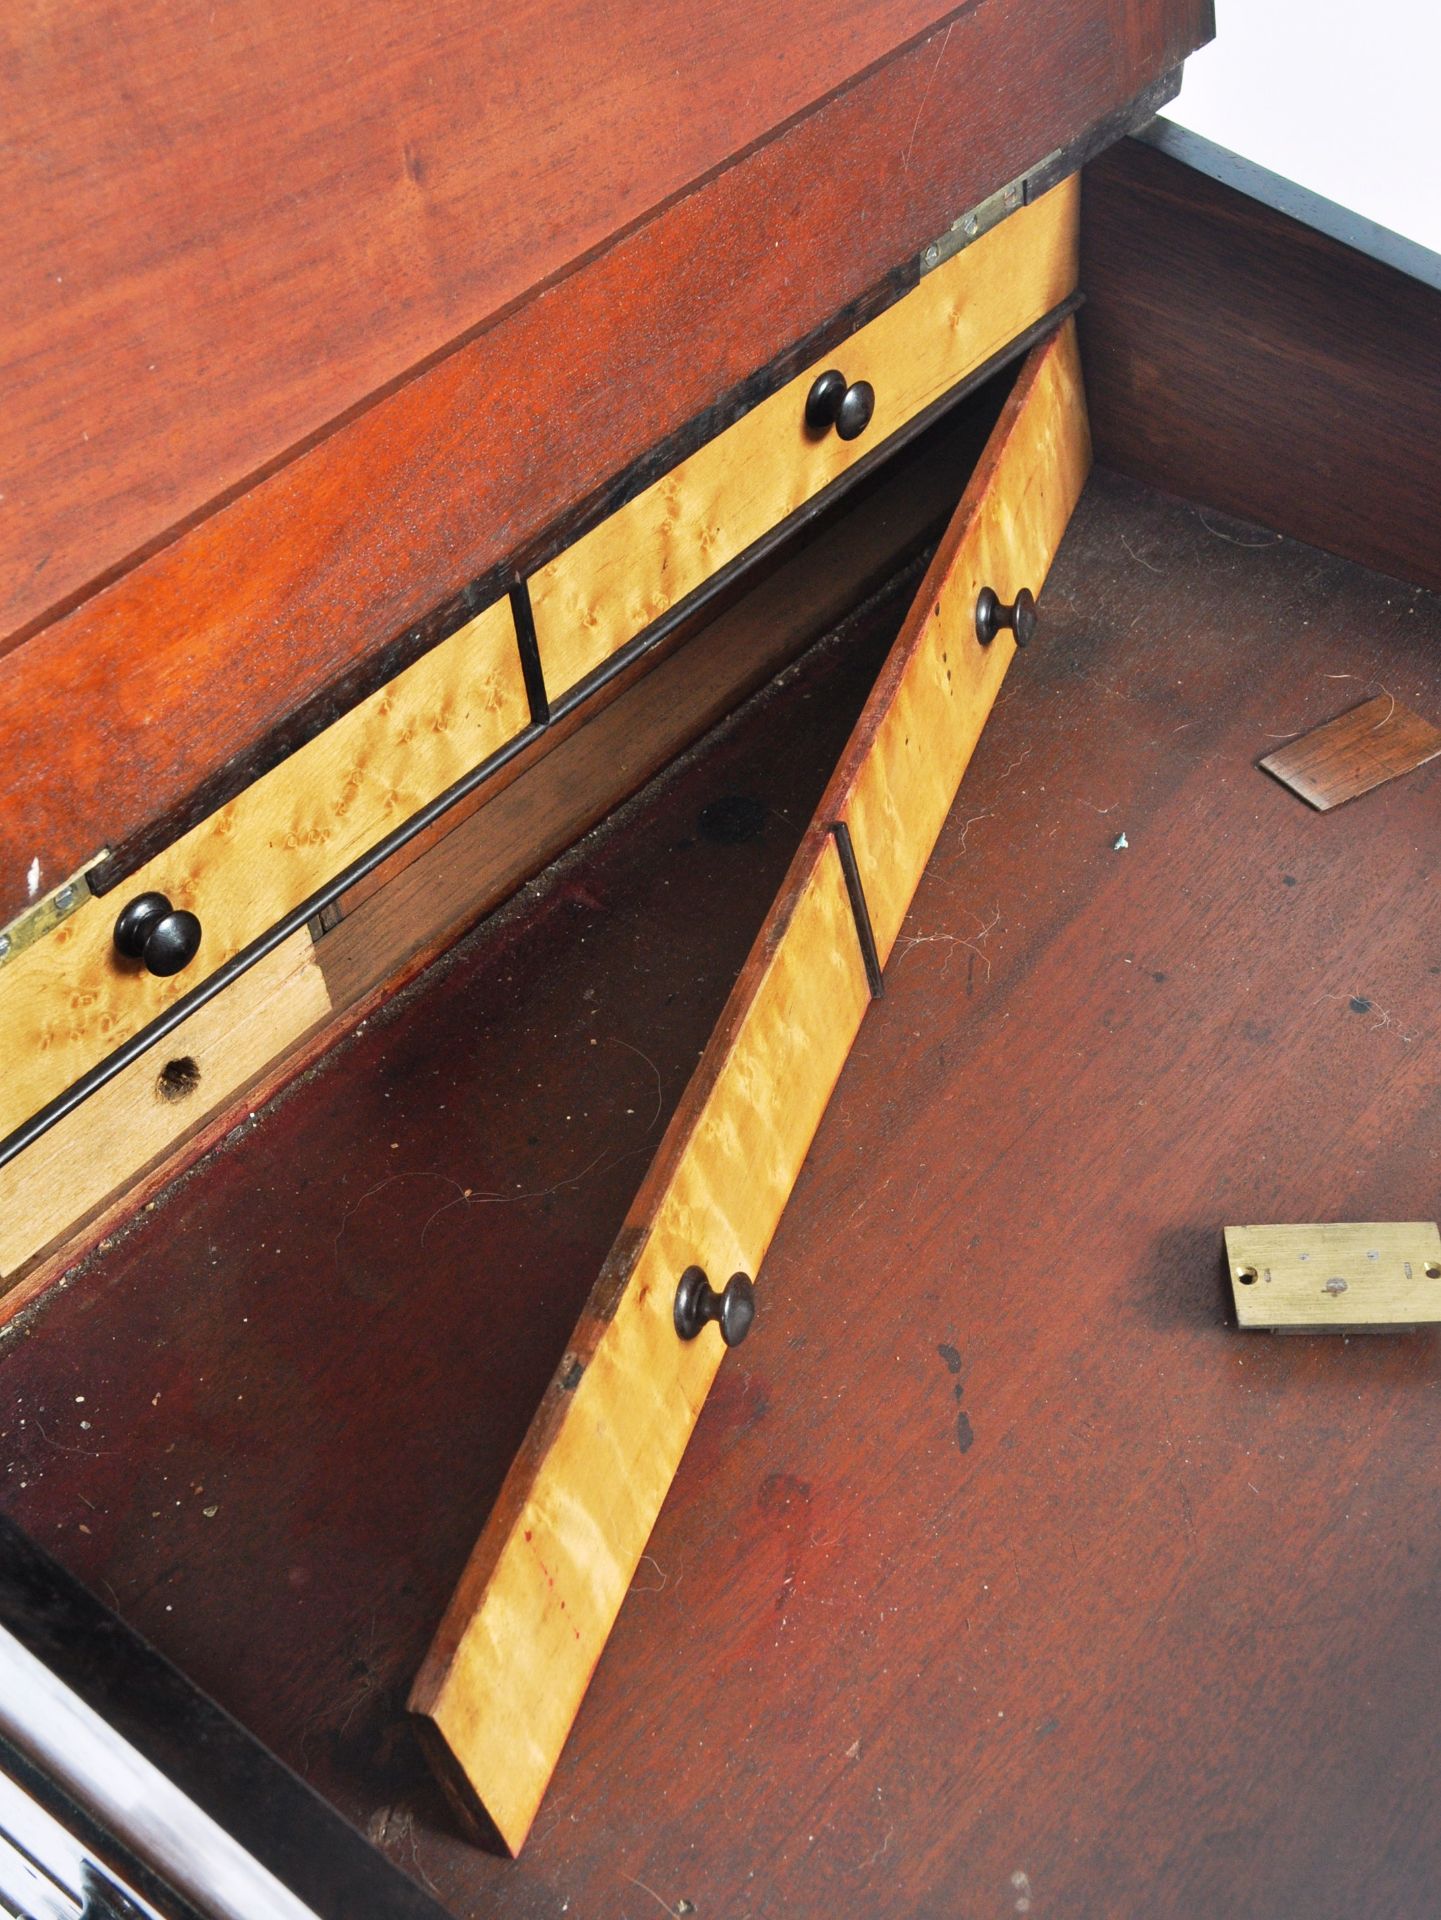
(70, 999)
(1355, 752)
(514, 1654)
(642, 561)
(1335, 1277)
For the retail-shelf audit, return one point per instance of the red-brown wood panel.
(227, 225)
(1253, 346)
(117, 713)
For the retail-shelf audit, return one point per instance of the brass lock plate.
(1336, 1276)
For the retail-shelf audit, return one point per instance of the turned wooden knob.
(696, 1302)
(150, 929)
(833, 402)
(993, 616)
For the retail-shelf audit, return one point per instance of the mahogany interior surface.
(1001, 1568)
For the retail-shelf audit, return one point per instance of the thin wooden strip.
(649, 555)
(898, 778)
(69, 1000)
(141, 1114)
(512, 1659)
(1355, 752)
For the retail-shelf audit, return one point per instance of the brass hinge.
(45, 915)
(977, 220)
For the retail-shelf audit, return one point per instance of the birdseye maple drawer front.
(70, 999)
(509, 1666)
(511, 1661)
(645, 558)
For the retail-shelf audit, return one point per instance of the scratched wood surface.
(1348, 756)
(643, 560)
(1000, 1568)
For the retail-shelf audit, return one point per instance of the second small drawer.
(626, 573)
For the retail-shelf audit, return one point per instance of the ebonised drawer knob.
(831, 402)
(696, 1302)
(150, 929)
(993, 616)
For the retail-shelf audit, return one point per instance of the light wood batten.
(898, 778)
(509, 1666)
(141, 1114)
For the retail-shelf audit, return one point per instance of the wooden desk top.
(316, 316)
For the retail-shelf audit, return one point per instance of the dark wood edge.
(1298, 203)
(223, 1770)
(1250, 346)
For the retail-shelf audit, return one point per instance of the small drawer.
(70, 999)
(626, 573)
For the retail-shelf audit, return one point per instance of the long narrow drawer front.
(69, 1000)
(508, 1668)
(635, 566)
(511, 1661)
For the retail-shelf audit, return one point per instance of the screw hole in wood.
(178, 1079)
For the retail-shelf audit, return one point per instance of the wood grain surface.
(898, 778)
(635, 566)
(70, 999)
(1250, 359)
(1359, 750)
(504, 1678)
(856, 563)
(137, 714)
(1000, 1560)
(164, 267)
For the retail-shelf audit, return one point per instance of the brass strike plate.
(1336, 1276)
